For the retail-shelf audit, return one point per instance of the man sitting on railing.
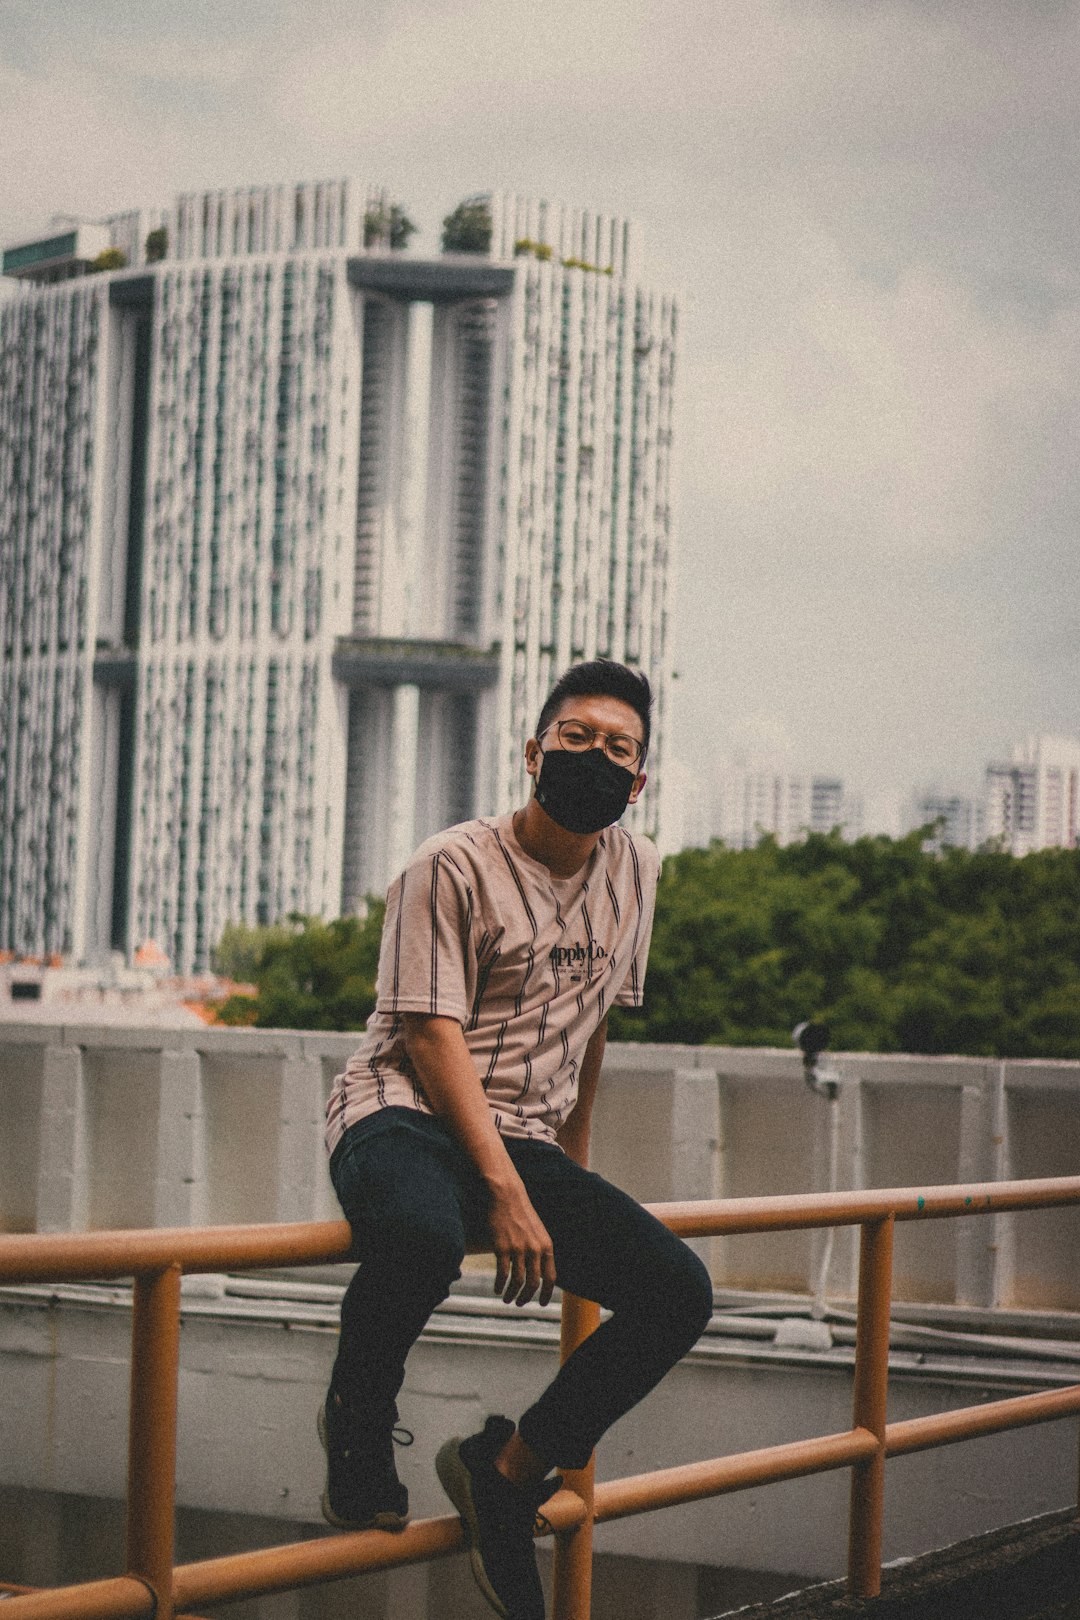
(463, 1121)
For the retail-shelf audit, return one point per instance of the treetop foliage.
(309, 974)
(388, 226)
(468, 229)
(110, 258)
(896, 949)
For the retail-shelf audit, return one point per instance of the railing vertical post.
(572, 1584)
(155, 1359)
(871, 1389)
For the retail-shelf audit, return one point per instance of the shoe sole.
(456, 1481)
(386, 1519)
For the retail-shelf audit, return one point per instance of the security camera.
(811, 1038)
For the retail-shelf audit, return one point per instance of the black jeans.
(415, 1203)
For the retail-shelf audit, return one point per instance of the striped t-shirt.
(527, 963)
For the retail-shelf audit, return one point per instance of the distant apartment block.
(958, 819)
(833, 807)
(1033, 799)
(298, 530)
(754, 801)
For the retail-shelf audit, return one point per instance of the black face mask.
(583, 792)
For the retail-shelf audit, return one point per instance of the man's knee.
(424, 1251)
(683, 1294)
(698, 1293)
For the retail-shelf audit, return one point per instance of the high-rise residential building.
(756, 800)
(298, 529)
(1033, 799)
(751, 801)
(958, 819)
(834, 807)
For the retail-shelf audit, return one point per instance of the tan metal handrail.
(156, 1260)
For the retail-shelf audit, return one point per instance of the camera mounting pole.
(812, 1039)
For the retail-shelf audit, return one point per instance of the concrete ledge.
(439, 281)
(120, 1126)
(441, 665)
(1024, 1572)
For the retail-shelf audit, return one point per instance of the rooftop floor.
(1029, 1571)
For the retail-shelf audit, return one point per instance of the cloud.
(872, 211)
(881, 410)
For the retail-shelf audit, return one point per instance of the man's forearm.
(446, 1071)
(524, 1262)
(573, 1134)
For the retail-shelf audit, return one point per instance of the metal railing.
(156, 1587)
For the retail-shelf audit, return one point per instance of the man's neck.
(562, 852)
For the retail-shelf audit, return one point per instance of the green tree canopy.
(468, 228)
(110, 258)
(896, 949)
(309, 974)
(388, 226)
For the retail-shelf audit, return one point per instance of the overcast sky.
(871, 207)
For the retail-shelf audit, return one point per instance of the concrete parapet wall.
(149, 1127)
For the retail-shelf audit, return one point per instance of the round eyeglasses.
(576, 737)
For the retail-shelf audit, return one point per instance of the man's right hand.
(524, 1262)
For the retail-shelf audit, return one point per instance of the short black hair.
(602, 677)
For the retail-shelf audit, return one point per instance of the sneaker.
(498, 1519)
(363, 1491)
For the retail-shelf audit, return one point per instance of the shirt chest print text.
(576, 957)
